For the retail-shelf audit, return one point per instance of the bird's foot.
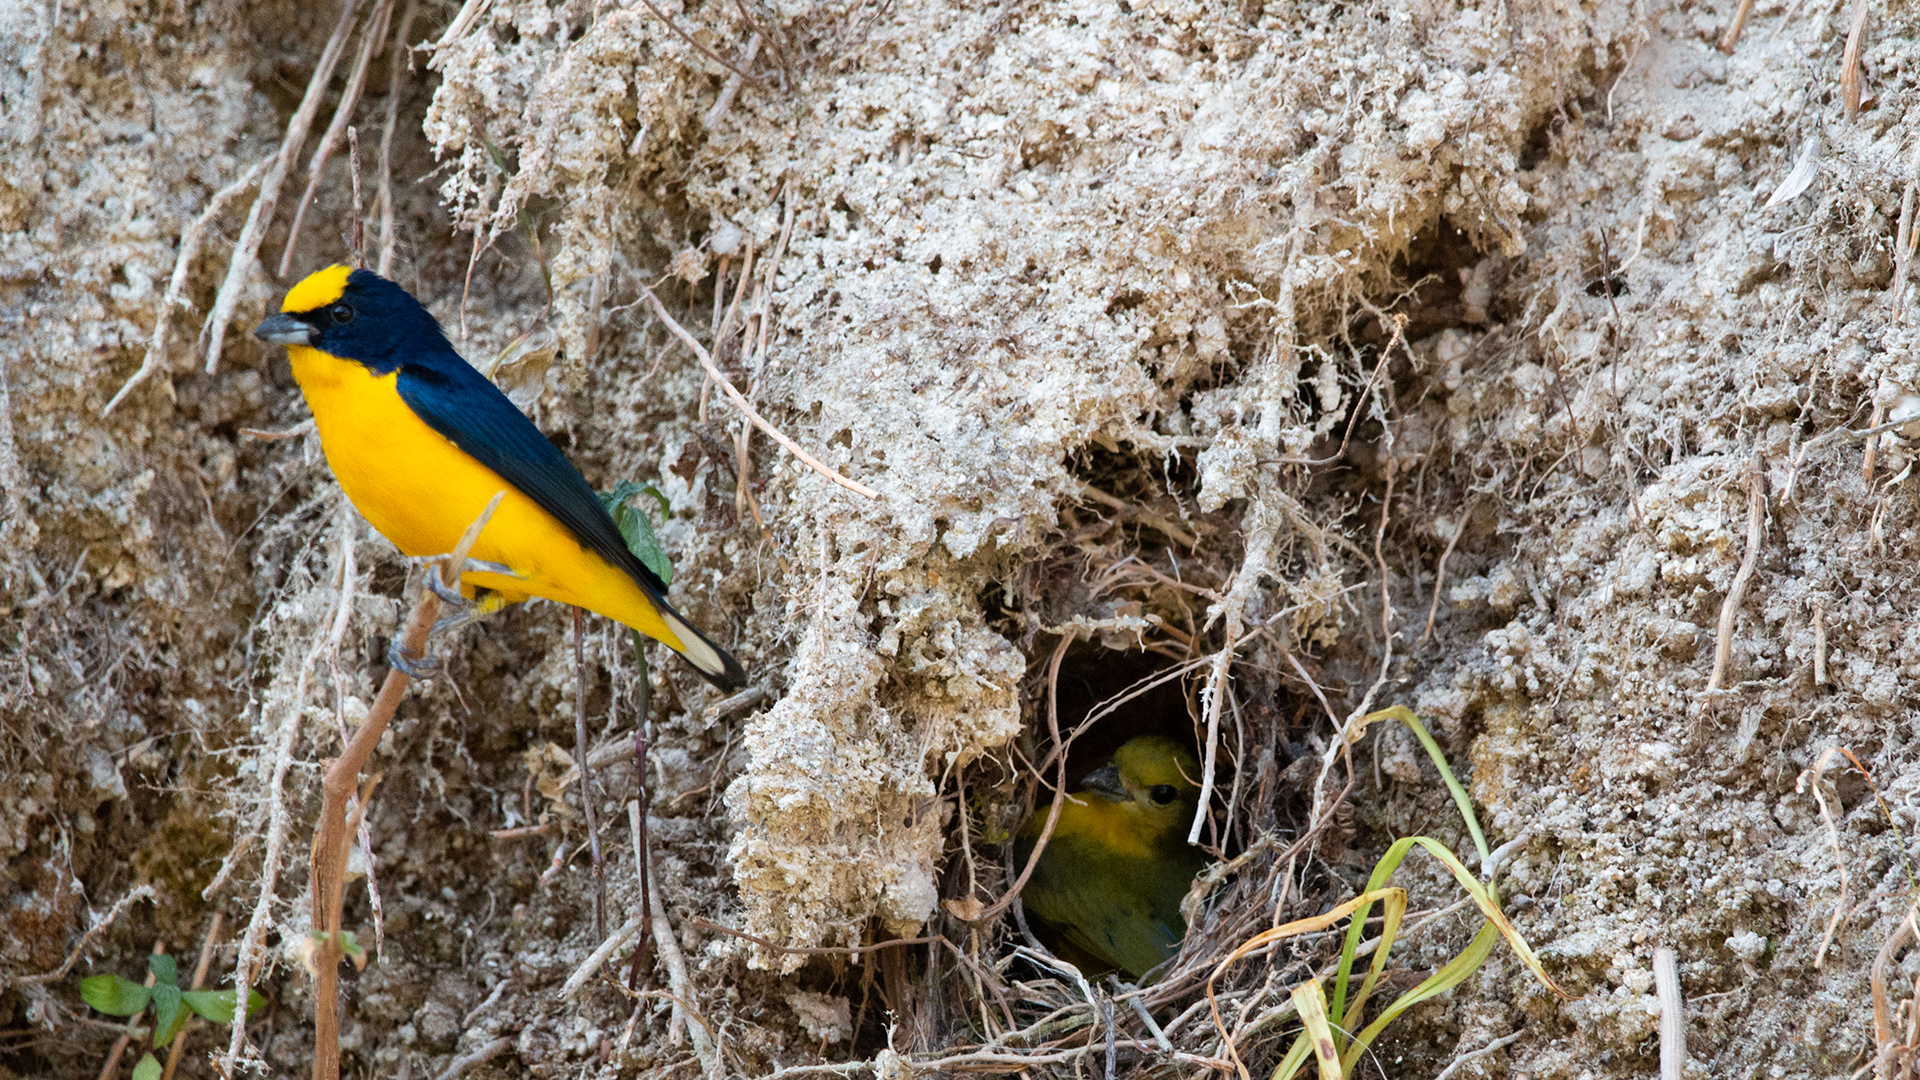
(424, 668)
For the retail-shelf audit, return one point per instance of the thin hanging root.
(395, 83)
(371, 39)
(247, 249)
(740, 401)
(190, 240)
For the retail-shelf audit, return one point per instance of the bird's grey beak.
(1105, 781)
(284, 329)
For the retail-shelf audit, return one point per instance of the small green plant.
(1330, 1032)
(172, 1006)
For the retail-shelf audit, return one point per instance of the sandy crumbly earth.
(1100, 297)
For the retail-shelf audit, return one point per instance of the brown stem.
(586, 777)
(329, 869)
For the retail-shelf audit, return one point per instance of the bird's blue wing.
(459, 402)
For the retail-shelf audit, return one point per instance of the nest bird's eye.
(341, 312)
(1162, 793)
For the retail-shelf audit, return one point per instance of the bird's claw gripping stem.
(424, 668)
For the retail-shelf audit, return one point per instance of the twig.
(1440, 568)
(706, 361)
(199, 980)
(1819, 646)
(190, 240)
(1883, 1037)
(728, 92)
(1840, 905)
(111, 1068)
(586, 776)
(144, 892)
(1737, 593)
(396, 81)
(240, 265)
(676, 965)
(342, 774)
(1145, 517)
(372, 37)
(1850, 81)
(643, 862)
(1059, 785)
(691, 40)
(478, 1056)
(1673, 1014)
(1474, 1055)
(1732, 35)
(357, 235)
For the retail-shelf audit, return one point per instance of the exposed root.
(246, 250)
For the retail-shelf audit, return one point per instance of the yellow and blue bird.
(1106, 893)
(421, 442)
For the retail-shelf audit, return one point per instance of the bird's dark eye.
(1162, 793)
(341, 312)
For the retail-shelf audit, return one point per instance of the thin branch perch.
(342, 776)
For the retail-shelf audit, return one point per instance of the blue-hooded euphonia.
(1106, 893)
(421, 442)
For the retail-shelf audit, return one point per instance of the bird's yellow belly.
(421, 491)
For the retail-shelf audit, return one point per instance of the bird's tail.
(714, 663)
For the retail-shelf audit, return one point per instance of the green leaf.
(114, 995)
(163, 969)
(148, 1068)
(636, 527)
(168, 1015)
(215, 1005)
(255, 1002)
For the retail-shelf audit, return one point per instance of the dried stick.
(156, 357)
(144, 892)
(643, 863)
(1842, 904)
(728, 92)
(675, 961)
(374, 36)
(1474, 1055)
(586, 776)
(111, 1068)
(1059, 784)
(341, 778)
(357, 235)
(1904, 240)
(395, 83)
(1440, 569)
(279, 822)
(241, 265)
(199, 980)
(1730, 607)
(1673, 1014)
(734, 395)
(1732, 35)
(691, 40)
(1850, 82)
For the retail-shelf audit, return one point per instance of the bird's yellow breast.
(421, 492)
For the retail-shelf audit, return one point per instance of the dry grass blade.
(241, 264)
(1732, 36)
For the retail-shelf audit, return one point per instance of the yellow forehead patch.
(320, 288)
